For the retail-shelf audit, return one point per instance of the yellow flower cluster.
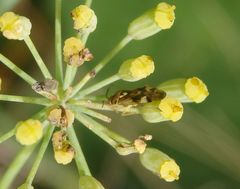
(84, 18)
(29, 132)
(14, 26)
(136, 69)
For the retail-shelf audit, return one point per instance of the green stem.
(69, 76)
(105, 107)
(16, 166)
(112, 138)
(24, 99)
(17, 70)
(7, 135)
(37, 57)
(79, 156)
(58, 41)
(100, 65)
(93, 114)
(88, 3)
(40, 155)
(98, 86)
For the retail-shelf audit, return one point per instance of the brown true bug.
(136, 96)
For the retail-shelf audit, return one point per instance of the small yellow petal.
(169, 171)
(164, 15)
(29, 132)
(171, 109)
(196, 90)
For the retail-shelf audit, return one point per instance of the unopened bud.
(186, 90)
(136, 69)
(14, 26)
(157, 19)
(160, 164)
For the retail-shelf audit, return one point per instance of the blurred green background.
(204, 42)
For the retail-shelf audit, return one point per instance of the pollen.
(196, 90)
(29, 132)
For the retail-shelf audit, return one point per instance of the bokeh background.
(204, 42)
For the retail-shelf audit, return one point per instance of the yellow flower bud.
(89, 182)
(64, 156)
(164, 15)
(160, 164)
(84, 18)
(196, 90)
(171, 109)
(61, 117)
(25, 186)
(14, 26)
(136, 69)
(164, 110)
(75, 53)
(186, 90)
(159, 18)
(29, 132)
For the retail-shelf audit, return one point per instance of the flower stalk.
(17, 70)
(38, 58)
(16, 166)
(40, 154)
(98, 86)
(58, 41)
(79, 156)
(25, 99)
(7, 135)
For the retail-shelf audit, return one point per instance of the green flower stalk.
(67, 103)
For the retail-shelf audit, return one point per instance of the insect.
(137, 96)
